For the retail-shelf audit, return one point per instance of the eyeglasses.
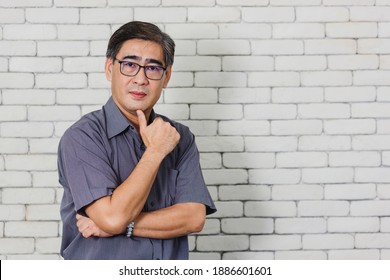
(131, 69)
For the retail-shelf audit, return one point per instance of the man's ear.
(168, 73)
(108, 68)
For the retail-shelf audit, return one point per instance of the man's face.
(137, 92)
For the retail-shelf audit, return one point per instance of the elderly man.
(133, 187)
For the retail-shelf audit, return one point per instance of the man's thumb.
(141, 119)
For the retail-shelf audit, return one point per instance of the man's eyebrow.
(147, 60)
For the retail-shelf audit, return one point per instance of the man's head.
(139, 62)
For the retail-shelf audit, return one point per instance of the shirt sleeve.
(84, 167)
(190, 184)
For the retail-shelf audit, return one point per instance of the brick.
(223, 243)
(192, 31)
(242, 2)
(350, 94)
(244, 95)
(219, 79)
(300, 225)
(224, 47)
(327, 241)
(370, 13)
(17, 245)
(247, 63)
(61, 80)
(354, 126)
(376, 110)
(296, 127)
(27, 196)
(322, 14)
(327, 175)
(197, 63)
(13, 113)
(26, 129)
(300, 255)
(84, 64)
(349, 2)
(13, 146)
(48, 245)
(50, 15)
(277, 47)
(383, 126)
(354, 254)
(385, 158)
(273, 79)
(29, 32)
(270, 111)
(270, 144)
(244, 31)
(160, 15)
(202, 128)
(44, 146)
(295, 2)
(173, 111)
(270, 209)
(31, 229)
(98, 48)
(3, 64)
(248, 256)
(35, 64)
(204, 256)
(83, 32)
(347, 224)
(268, 14)
(297, 192)
(275, 242)
(45, 179)
(324, 143)
(384, 62)
(215, 14)
(300, 63)
(323, 208)
(352, 30)
(247, 226)
(217, 112)
(60, 127)
(12, 213)
(31, 162)
(105, 15)
(384, 224)
(370, 208)
(12, 16)
(244, 128)
(376, 240)
(99, 80)
(185, 47)
(244, 192)
(374, 46)
(370, 78)
(297, 95)
(82, 97)
(131, 3)
(228, 209)
(368, 175)
(50, 212)
(63, 48)
(15, 179)
(76, 3)
(225, 176)
(53, 113)
(249, 160)
(323, 111)
(299, 159)
(26, 3)
(186, 3)
(190, 95)
(28, 97)
(298, 30)
(274, 176)
(371, 142)
(355, 62)
(326, 78)
(330, 46)
(383, 29)
(212, 226)
(211, 160)
(16, 80)
(354, 159)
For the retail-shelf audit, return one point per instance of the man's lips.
(138, 94)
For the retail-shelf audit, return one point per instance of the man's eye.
(153, 68)
(130, 64)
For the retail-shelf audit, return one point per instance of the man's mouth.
(137, 94)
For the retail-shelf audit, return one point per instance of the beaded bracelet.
(129, 230)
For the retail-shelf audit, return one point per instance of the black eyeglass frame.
(139, 68)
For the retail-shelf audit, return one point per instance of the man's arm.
(113, 213)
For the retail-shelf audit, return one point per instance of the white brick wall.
(289, 101)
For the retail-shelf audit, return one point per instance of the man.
(133, 187)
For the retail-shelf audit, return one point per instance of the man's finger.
(141, 119)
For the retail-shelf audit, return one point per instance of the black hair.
(144, 31)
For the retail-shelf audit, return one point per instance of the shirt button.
(152, 204)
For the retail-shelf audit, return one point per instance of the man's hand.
(159, 137)
(88, 228)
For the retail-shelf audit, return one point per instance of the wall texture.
(289, 100)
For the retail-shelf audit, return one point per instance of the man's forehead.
(141, 50)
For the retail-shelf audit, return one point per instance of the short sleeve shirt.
(96, 155)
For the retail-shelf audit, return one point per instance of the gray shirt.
(96, 155)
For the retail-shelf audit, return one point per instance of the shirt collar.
(116, 121)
